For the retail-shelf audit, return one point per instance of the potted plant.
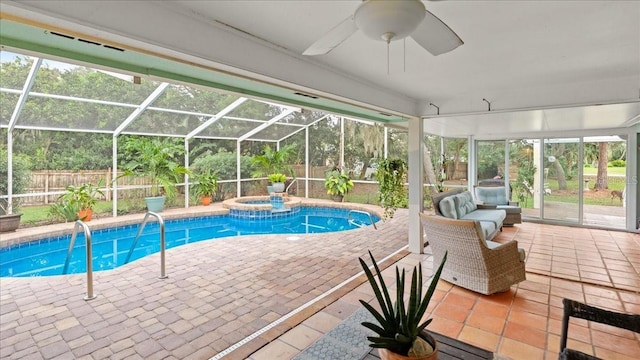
(338, 184)
(391, 174)
(274, 162)
(277, 182)
(8, 222)
(400, 333)
(84, 197)
(206, 186)
(64, 209)
(156, 160)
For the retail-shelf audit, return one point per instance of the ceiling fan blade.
(435, 36)
(332, 38)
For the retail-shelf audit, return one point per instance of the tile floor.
(597, 267)
(218, 293)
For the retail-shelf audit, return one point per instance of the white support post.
(416, 179)
(472, 164)
(632, 206)
(114, 188)
(186, 176)
(386, 142)
(341, 160)
(306, 163)
(238, 169)
(10, 172)
(505, 175)
(24, 94)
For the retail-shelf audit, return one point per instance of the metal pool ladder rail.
(162, 241)
(360, 212)
(87, 236)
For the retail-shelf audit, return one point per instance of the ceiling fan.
(390, 20)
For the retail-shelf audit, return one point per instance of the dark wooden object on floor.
(449, 348)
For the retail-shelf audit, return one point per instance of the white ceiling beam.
(142, 107)
(28, 83)
(266, 125)
(216, 117)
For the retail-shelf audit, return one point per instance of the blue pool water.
(111, 246)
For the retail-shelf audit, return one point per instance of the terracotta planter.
(85, 215)
(9, 222)
(205, 200)
(388, 355)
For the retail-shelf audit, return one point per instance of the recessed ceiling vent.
(85, 41)
(306, 95)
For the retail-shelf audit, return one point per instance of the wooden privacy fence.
(55, 181)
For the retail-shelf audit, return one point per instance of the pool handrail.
(291, 183)
(360, 212)
(87, 236)
(162, 241)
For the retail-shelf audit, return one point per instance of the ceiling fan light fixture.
(389, 20)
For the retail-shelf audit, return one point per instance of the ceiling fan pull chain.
(404, 55)
(387, 58)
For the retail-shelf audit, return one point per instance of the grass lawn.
(610, 171)
(570, 196)
(38, 215)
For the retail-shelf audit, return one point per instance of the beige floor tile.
(301, 337)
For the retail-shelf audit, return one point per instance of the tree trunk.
(558, 150)
(602, 181)
(428, 167)
(562, 180)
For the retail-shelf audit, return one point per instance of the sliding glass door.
(561, 180)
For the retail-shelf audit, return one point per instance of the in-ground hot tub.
(259, 207)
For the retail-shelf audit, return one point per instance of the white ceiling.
(517, 55)
(509, 45)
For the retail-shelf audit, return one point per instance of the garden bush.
(618, 163)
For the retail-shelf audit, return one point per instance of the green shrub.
(618, 163)
(20, 179)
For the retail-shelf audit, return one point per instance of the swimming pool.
(111, 246)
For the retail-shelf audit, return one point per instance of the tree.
(429, 169)
(557, 150)
(602, 181)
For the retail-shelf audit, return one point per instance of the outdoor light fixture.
(389, 20)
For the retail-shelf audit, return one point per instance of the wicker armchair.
(482, 266)
(582, 311)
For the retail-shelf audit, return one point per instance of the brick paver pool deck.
(216, 294)
(275, 289)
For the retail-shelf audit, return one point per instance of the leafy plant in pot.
(272, 162)
(207, 186)
(277, 182)
(400, 333)
(157, 160)
(84, 197)
(338, 184)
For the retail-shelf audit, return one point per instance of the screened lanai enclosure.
(64, 124)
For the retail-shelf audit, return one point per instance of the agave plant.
(399, 323)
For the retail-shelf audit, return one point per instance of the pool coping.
(29, 234)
